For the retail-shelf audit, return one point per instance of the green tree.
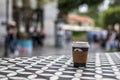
(65, 6)
(110, 17)
(92, 12)
(40, 3)
(114, 3)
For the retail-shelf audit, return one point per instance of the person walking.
(90, 37)
(10, 40)
(110, 44)
(13, 43)
(103, 38)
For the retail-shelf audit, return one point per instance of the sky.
(104, 5)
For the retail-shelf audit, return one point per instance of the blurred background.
(48, 27)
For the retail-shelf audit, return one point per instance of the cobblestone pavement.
(99, 67)
(50, 63)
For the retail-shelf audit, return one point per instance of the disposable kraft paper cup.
(80, 53)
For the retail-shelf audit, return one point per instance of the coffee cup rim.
(80, 44)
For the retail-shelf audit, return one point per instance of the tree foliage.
(93, 12)
(110, 16)
(40, 3)
(65, 6)
(114, 3)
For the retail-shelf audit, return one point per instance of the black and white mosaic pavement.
(100, 66)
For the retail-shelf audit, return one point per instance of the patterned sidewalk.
(100, 66)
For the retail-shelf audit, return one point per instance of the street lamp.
(7, 11)
(7, 20)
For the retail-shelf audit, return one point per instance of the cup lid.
(80, 44)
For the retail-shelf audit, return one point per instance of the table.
(100, 66)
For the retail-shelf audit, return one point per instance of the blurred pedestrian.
(60, 37)
(110, 44)
(90, 37)
(41, 37)
(96, 37)
(13, 43)
(117, 41)
(38, 37)
(9, 38)
(68, 36)
(103, 38)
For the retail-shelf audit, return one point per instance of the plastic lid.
(80, 44)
